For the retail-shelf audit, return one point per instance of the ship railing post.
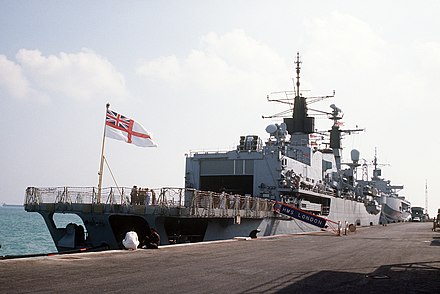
(258, 210)
(161, 198)
(30, 196)
(66, 195)
(93, 195)
(237, 205)
(197, 200)
(220, 205)
(214, 203)
(191, 204)
(112, 196)
(263, 206)
(38, 196)
(222, 201)
(69, 194)
(254, 201)
(259, 206)
(266, 207)
(109, 196)
(122, 195)
(209, 203)
(59, 197)
(27, 196)
(339, 228)
(194, 207)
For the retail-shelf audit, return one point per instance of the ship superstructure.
(288, 167)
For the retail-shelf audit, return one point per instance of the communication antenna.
(298, 103)
(298, 69)
(426, 196)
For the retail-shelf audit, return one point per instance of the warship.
(394, 208)
(288, 184)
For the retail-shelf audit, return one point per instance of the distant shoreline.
(12, 205)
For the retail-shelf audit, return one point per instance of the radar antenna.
(296, 117)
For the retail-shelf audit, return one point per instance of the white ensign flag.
(122, 128)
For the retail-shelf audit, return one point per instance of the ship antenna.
(375, 158)
(298, 68)
(426, 197)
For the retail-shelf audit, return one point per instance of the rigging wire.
(111, 173)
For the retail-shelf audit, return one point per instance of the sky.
(196, 74)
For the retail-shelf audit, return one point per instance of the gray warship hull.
(395, 209)
(204, 217)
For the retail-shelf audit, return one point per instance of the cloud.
(219, 84)
(14, 83)
(220, 62)
(81, 76)
(429, 61)
(345, 40)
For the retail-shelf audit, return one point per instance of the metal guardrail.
(197, 203)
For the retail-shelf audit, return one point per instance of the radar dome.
(354, 155)
(271, 129)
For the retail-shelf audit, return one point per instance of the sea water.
(23, 233)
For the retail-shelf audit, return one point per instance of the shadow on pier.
(420, 277)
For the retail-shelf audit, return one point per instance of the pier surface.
(398, 258)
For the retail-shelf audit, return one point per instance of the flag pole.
(101, 166)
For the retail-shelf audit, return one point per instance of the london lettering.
(303, 216)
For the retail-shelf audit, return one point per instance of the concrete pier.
(398, 258)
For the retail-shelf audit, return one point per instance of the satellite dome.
(271, 129)
(354, 155)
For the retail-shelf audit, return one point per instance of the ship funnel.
(354, 155)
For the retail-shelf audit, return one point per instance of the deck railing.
(197, 203)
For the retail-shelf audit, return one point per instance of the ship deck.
(398, 258)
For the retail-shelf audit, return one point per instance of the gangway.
(307, 217)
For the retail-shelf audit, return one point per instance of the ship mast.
(300, 122)
(298, 70)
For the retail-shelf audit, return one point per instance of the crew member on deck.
(134, 195)
(142, 194)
